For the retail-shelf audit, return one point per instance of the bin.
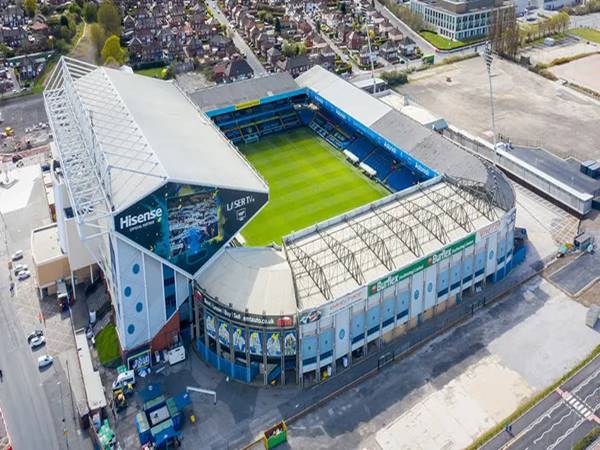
(275, 436)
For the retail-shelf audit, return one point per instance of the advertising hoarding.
(289, 343)
(421, 264)
(273, 344)
(187, 224)
(255, 342)
(239, 339)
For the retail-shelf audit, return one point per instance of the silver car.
(37, 341)
(44, 361)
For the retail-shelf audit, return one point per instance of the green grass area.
(309, 181)
(443, 43)
(107, 345)
(154, 72)
(587, 34)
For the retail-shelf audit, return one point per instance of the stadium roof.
(407, 134)
(331, 259)
(357, 103)
(257, 279)
(242, 91)
(121, 135)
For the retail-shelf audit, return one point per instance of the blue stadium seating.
(380, 160)
(248, 125)
(361, 147)
(400, 179)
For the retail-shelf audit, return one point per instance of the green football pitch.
(309, 181)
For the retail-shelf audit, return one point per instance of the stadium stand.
(250, 124)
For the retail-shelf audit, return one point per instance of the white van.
(176, 355)
(123, 379)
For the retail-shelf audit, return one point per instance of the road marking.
(578, 405)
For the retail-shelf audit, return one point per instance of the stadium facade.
(158, 192)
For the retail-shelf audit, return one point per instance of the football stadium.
(286, 228)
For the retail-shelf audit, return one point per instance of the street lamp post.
(488, 58)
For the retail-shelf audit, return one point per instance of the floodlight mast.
(488, 58)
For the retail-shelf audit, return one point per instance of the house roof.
(238, 67)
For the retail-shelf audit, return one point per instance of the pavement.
(33, 399)
(586, 21)
(561, 419)
(251, 58)
(579, 274)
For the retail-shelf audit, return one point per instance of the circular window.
(341, 334)
(135, 269)
(131, 328)
(430, 287)
(491, 254)
(417, 294)
(139, 306)
(127, 291)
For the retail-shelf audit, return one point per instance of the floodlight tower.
(488, 58)
(371, 56)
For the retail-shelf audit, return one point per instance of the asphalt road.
(559, 420)
(36, 404)
(251, 58)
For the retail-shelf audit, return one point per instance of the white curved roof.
(255, 278)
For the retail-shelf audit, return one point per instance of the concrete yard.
(582, 72)
(461, 384)
(570, 47)
(530, 109)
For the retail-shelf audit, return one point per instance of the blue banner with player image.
(187, 224)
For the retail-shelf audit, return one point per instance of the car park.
(37, 341)
(44, 361)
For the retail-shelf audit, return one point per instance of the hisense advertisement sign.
(187, 224)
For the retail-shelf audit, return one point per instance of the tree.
(90, 12)
(504, 31)
(98, 37)
(109, 18)
(30, 7)
(112, 49)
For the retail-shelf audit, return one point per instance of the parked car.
(19, 268)
(44, 361)
(17, 255)
(23, 275)
(34, 334)
(37, 341)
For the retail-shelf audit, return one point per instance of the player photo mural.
(187, 224)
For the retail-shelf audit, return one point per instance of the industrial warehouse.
(165, 190)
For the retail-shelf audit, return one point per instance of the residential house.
(295, 65)
(273, 56)
(238, 69)
(355, 41)
(389, 51)
(326, 58)
(408, 47)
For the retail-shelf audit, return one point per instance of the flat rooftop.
(563, 170)
(44, 244)
(383, 236)
(228, 94)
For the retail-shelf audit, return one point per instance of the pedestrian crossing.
(578, 405)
